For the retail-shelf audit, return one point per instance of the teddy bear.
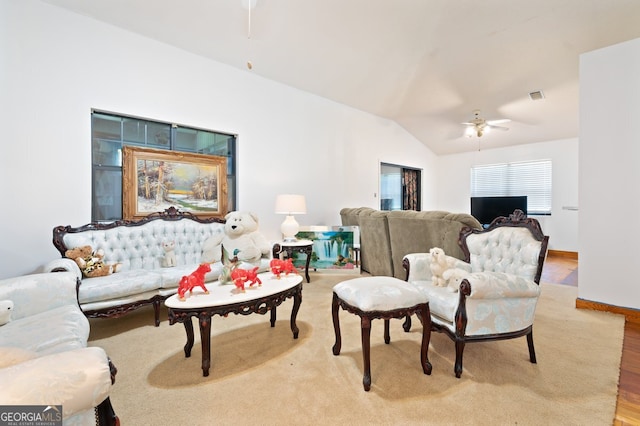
(453, 277)
(439, 263)
(6, 307)
(91, 262)
(241, 239)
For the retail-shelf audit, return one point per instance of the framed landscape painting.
(155, 179)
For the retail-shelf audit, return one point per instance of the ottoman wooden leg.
(366, 351)
(387, 336)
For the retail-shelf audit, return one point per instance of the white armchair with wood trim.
(497, 297)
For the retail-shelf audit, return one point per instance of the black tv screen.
(485, 209)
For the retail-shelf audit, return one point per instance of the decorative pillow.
(6, 307)
(11, 356)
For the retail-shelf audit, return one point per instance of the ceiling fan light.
(469, 131)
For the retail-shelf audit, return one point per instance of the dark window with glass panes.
(110, 132)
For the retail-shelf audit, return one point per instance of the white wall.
(610, 174)
(55, 66)
(562, 225)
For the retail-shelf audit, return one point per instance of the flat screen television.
(485, 209)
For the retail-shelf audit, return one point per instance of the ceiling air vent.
(536, 96)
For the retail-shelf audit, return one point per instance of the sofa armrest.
(499, 285)
(35, 293)
(63, 264)
(418, 265)
(78, 380)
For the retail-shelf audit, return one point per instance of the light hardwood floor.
(561, 269)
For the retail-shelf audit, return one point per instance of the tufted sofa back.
(138, 245)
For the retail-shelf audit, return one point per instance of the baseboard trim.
(629, 313)
(560, 253)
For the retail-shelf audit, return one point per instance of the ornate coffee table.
(225, 299)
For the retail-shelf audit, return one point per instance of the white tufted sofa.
(498, 297)
(137, 246)
(44, 358)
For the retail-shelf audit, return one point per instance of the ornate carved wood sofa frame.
(137, 246)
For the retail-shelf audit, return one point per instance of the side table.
(300, 246)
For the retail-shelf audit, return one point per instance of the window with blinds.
(530, 178)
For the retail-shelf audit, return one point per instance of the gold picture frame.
(155, 179)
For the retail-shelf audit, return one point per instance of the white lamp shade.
(290, 204)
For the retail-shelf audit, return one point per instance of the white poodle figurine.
(453, 277)
(6, 306)
(439, 264)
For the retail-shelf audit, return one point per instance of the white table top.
(227, 294)
(296, 243)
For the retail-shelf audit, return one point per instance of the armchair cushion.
(78, 379)
(487, 312)
(32, 294)
(55, 330)
(10, 356)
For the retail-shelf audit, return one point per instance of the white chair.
(498, 297)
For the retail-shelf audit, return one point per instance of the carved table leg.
(387, 336)
(366, 351)
(297, 300)
(336, 325)
(308, 262)
(188, 326)
(205, 338)
(273, 316)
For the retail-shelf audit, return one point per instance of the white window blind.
(530, 178)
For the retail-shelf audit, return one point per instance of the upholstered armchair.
(496, 298)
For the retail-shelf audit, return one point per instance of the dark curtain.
(410, 190)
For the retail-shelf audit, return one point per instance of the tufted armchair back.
(138, 245)
(516, 246)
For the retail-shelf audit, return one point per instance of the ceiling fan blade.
(499, 121)
(492, 127)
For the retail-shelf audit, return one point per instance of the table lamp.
(290, 204)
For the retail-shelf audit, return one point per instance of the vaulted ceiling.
(426, 64)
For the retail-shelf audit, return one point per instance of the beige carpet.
(261, 375)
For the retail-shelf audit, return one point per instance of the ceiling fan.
(479, 126)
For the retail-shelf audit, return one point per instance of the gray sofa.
(387, 236)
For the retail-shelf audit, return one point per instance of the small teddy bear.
(169, 254)
(90, 262)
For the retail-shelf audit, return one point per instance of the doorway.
(399, 187)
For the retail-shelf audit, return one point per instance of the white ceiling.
(426, 64)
